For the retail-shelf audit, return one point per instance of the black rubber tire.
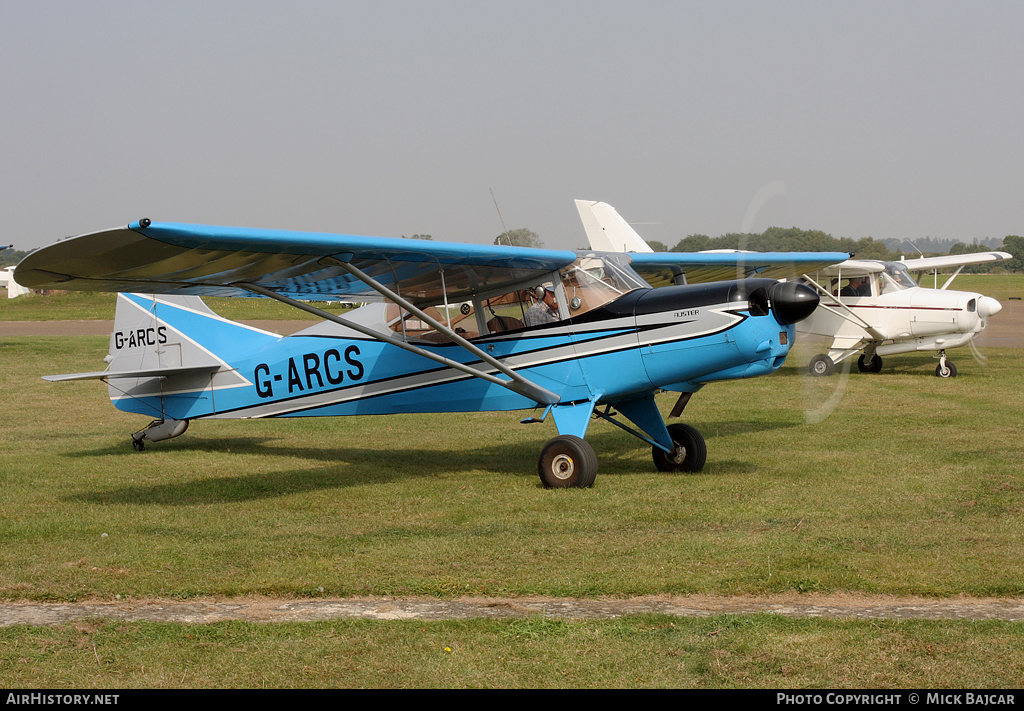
(821, 365)
(949, 373)
(691, 451)
(567, 461)
(872, 366)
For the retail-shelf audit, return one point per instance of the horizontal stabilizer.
(144, 373)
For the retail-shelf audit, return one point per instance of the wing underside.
(215, 261)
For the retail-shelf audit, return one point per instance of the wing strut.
(517, 384)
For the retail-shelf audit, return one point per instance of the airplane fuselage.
(912, 319)
(674, 338)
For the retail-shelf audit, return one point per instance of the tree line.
(794, 239)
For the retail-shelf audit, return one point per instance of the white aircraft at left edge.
(867, 306)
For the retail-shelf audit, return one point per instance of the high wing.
(953, 260)
(664, 268)
(201, 260)
(863, 267)
(606, 230)
(171, 258)
(854, 268)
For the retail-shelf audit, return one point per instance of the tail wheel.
(945, 371)
(690, 454)
(821, 365)
(874, 365)
(567, 461)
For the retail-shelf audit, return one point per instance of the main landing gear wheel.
(691, 451)
(567, 461)
(874, 365)
(947, 371)
(821, 365)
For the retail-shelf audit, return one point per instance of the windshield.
(593, 280)
(895, 278)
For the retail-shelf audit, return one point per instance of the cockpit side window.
(855, 286)
(410, 326)
(590, 282)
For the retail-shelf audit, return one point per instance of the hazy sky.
(395, 117)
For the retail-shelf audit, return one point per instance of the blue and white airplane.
(446, 327)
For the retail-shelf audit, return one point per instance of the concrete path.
(271, 610)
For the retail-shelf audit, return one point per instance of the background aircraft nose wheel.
(138, 445)
(945, 369)
(691, 451)
(869, 366)
(567, 461)
(821, 365)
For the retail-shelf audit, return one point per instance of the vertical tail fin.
(607, 231)
(169, 354)
(158, 332)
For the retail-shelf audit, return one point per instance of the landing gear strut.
(945, 368)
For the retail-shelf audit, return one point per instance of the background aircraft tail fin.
(607, 231)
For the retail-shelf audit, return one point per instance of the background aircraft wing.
(170, 258)
(663, 268)
(855, 267)
(953, 260)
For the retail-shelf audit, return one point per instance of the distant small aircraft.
(876, 308)
(870, 307)
(447, 333)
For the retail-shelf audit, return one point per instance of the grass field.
(898, 483)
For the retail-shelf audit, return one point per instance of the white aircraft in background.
(867, 306)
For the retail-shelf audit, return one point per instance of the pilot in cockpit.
(857, 286)
(544, 309)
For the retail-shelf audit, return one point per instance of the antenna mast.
(502, 219)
